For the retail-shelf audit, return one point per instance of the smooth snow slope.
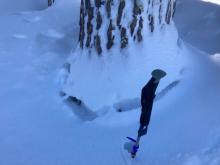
(198, 23)
(36, 128)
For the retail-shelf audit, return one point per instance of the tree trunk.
(106, 23)
(50, 2)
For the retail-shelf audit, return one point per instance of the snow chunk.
(213, 1)
(216, 57)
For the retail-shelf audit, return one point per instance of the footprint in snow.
(32, 19)
(54, 34)
(20, 36)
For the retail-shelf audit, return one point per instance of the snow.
(200, 28)
(37, 127)
(9, 6)
(216, 57)
(212, 1)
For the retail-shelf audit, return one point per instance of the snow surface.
(11, 7)
(199, 26)
(37, 128)
(212, 1)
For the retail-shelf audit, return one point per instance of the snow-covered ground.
(11, 7)
(198, 23)
(37, 128)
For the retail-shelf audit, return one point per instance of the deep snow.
(36, 127)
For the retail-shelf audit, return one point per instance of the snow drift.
(120, 74)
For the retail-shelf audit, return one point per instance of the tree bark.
(50, 2)
(145, 15)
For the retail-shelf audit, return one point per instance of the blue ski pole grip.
(134, 150)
